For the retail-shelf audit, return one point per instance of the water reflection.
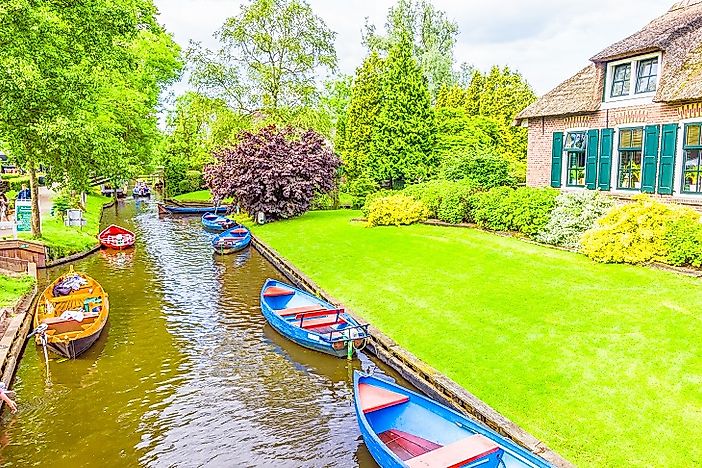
(188, 372)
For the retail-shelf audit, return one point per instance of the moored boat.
(403, 429)
(232, 240)
(116, 237)
(177, 209)
(74, 308)
(311, 322)
(215, 222)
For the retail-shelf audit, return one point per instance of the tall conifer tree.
(403, 143)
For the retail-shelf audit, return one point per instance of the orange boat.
(117, 237)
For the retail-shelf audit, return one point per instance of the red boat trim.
(456, 454)
(406, 445)
(277, 291)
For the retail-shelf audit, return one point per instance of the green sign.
(23, 215)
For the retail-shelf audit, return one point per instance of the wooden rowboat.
(310, 321)
(75, 308)
(116, 237)
(176, 209)
(215, 222)
(403, 429)
(232, 240)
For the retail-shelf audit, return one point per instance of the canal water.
(186, 373)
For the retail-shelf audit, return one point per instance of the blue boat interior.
(306, 312)
(231, 237)
(423, 433)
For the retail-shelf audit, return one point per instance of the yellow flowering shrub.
(396, 210)
(634, 232)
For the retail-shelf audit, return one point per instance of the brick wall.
(541, 131)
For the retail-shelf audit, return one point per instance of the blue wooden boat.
(232, 240)
(404, 429)
(310, 321)
(215, 222)
(175, 209)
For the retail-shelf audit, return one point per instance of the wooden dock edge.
(427, 379)
(13, 340)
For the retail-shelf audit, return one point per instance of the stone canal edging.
(424, 377)
(18, 321)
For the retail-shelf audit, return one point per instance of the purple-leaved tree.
(274, 171)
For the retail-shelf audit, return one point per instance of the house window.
(647, 76)
(575, 143)
(622, 78)
(630, 146)
(692, 153)
(633, 78)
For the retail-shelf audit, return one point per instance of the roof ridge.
(684, 4)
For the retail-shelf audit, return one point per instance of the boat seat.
(375, 398)
(320, 322)
(406, 445)
(277, 291)
(299, 310)
(460, 453)
(52, 320)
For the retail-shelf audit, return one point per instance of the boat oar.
(41, 331)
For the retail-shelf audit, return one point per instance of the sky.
(548, 41)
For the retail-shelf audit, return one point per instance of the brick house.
(629, 122)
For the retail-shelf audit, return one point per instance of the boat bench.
(374, 398)
(277, 291)
(476, 448)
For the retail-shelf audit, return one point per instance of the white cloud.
(546, 40)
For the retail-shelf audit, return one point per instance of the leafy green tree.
(271, 52)
(334, 104)
(77, 81)
(403, 140)
(452, 97)
(362, 116)
(433, 38)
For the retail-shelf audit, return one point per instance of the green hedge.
(395, 210)
(526, 209)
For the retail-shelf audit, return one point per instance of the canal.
(186, 373)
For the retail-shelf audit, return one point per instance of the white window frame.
(632, 98)
(614, 170)
(679, 161)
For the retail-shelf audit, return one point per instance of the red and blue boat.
(403, 429)
(215, 222)
(311, 322)
(232, 240)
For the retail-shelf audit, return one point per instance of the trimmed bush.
(526, 209)
(574, 213)
(322, 201)
(684, 242)
(395, 210)
(445, 200)
(371, 197)
(485, 169)
(634, 232)
(16, 183)
(359, 189)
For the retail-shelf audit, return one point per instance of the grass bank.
(602, 362)
(62, 240)
(199, 196)
(14, 287)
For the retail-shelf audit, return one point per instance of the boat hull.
(216, 223)
(74, 348)
(185, 210)
(117, 238)
(432, 423)
(302, 336)
(228, 243)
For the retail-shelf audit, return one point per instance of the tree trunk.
(34, 188)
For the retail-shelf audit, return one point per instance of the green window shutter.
(605, 170)
(556, 159)
(593, 139)
(650, 159)
(666, 166)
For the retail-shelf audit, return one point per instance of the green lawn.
(200, 195)
(63, 240)
(602, 362)
(12, 288)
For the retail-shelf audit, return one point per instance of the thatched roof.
(678, 34)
